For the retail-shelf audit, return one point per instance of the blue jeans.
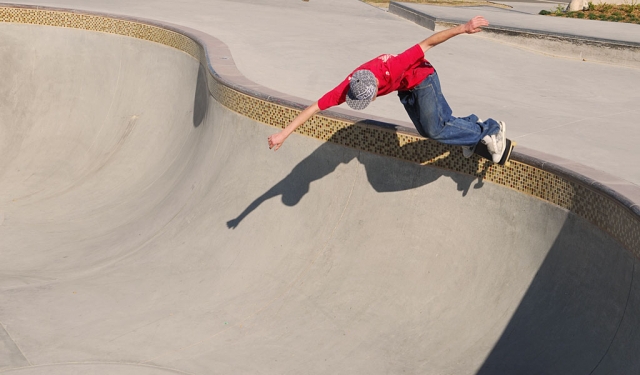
(433, 118)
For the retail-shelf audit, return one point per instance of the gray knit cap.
(363, 87)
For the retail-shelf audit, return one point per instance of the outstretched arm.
(276, 140)
(471, 27)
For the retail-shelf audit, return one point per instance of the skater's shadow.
(383, 173)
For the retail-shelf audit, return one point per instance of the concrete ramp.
(147, 229)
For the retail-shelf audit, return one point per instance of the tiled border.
(587, 198)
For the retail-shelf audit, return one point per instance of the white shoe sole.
(501, 140)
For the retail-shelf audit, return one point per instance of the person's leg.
(437, 122)
(408, 100)
(432, 116)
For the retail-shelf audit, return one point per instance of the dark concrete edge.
(410, 14)
(430, 22)
(219, 58)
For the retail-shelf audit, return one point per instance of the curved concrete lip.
(193, 295)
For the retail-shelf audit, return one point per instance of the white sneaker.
(467, 151)
(496, 143)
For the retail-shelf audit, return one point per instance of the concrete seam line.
(515, 44)
(565, 124)
(624, 313)
(4, 328)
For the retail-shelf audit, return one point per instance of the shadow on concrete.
(326, 158)
(201, 97)
(580, 315)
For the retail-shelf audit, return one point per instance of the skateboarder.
(418, 87)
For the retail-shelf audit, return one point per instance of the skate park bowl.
(146, 228)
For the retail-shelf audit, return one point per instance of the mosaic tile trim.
(594, 206)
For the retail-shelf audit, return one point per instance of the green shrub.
(559, 10)
(604, 7)
(580, 15)
(593, 16)
(544, 12)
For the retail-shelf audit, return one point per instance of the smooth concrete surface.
(146, 229)
(578, 110)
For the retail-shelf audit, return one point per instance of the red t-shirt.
(394, 72)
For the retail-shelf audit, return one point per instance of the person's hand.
(276, 140)
(474, 25)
